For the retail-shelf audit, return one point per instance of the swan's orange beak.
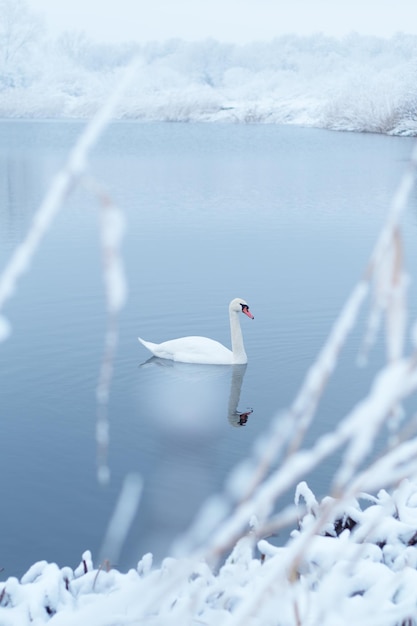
(246, 311)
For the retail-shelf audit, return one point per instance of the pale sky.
(237, 21)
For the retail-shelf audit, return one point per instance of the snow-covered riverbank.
(361, 569)
(356, 84)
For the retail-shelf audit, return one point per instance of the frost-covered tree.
(76, 47)
(20, 30)
(73, 44)
(203, 61)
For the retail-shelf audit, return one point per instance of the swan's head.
(239, 305)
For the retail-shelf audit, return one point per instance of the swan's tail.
(148, 345)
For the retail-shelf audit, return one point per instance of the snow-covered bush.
(356, 83)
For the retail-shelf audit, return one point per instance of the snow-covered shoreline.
(359, 83)
(192, 106)
(360, 569)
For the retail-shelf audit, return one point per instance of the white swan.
(204, 350)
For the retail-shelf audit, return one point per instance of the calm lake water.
(283, 217)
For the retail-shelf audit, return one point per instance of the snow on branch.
(356, 432)
(61, 187)
(111, 230)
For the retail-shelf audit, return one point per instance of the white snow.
(359, 83)
(344, 579)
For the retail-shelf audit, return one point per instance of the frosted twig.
(112, 226)
(61, 186)
(102, 394)
(380, 401)
(389, 283)
(287, 516)
(122, 518)
(304, 406)
(297, 419)
(393, 384)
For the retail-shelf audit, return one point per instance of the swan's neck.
(238, 349)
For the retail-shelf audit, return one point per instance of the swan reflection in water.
(185, 411)
(235, 417)
(187, 396)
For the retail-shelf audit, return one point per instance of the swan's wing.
(191, 350)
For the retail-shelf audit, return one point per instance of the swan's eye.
(245, 307)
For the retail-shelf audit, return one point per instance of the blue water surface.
(284, 217)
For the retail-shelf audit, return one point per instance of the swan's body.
(203, 349)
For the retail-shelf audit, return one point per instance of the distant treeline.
(355, 83)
